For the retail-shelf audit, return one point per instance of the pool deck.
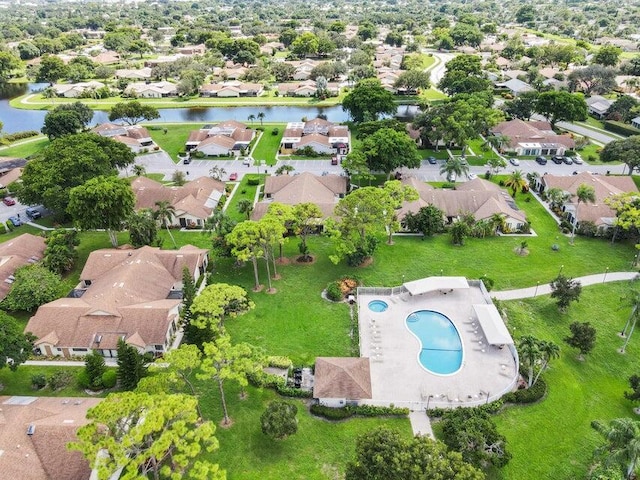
(397, 376)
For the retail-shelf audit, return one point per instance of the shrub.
(253, 180)
(293, 392)
(259, 129)
(110, 378)
(491, 408)
(330, 413)
(587, 228)
(38, 381)
(198, 154)
(275, 131)
(279, 361)
(334, 292)
(621, 128)
(341, 413)
(527, 395)
(60, 379)
(9, 226)
(488, 283)
(12, 137)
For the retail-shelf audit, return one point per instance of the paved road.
(545, 289)
(437, 72)
(597, 136)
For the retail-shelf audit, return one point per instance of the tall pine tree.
(130, 366)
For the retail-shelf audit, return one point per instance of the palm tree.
(558, 197)
(497, 222)
(529, 352)
(245, 206)
(631, 299)
(164, 213)
(284, 169)
(139, 170)
(495, 141)
(516, 182)
(585, 193)
(623, 443)
(251, 118)
(217, 172)
(260, 117)
(548, 350)
(454, 168)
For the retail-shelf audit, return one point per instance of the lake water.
(17, 120)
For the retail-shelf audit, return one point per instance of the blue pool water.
(378, 306)
(441, 346)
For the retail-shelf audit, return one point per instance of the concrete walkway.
(545, 288)
(420, 424)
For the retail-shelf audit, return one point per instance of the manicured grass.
(243, 191)
(592, 122)
(25, 148)
(268, 145)
(482, 155)
(173, 141)
(553, 439)
(19, 382)
(432, 95)
(318, 451)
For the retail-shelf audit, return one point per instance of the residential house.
(324, 191)
(137, 138)
(190, 50)
(270, 47)
(34, 434)
(137, 74)
(481, 198)
(222, 139)
(516, 86)
(193, 202)
(503, 63)
(108, 57)
(151, 90)
(533, 138)
(129, 295)
(635, 122)
(306, 89)
(604, 186)
(25, 249)
(598, 106)
(342, 381)
(514, 73)
(231, 89)
(9, 175)
(76, 90)
(163, 59)
(321, 135)
(234, 72)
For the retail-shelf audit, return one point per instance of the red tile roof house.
(322, 136)
(533, 138)
(605, 186)
(193, 202)
(223, 139)
(25, 249)
(137, 138)
(479, 197)
(339, 381)
(232, 89)
(133, 295)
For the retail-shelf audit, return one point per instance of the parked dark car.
(186, 160)
(557, 159)
(334, 160)
(432, 160)
(32, 213)
(567, 160)
(541, 160)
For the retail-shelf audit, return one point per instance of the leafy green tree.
(130, 366)
(412, 80)
(102, 202)
(164, 214)
(279, 420)
(387, 150)
(69, 162)
(14, 343)
(283, 71)
(209, 311)
(143, 229)
(61, 123)
(244, 240)
(428, 221)
(530, 354)
(464, 74)
(565, 290)
(355, 164)
(516, 182)
(548, 351)
(305, 218)
(630, 299)
(60, 253)
(397, 195)
(560, 106)
(368, 100)
(382, 454)
(496, 164)
(523, 106)
(133, 112)
(245, 207)
(593, 79)
(465, 34)
(94, 367)
(459, 231)
(473, 433)
(634, 394)
(607, 55)
(367, 30)
(626, 106)
(622, 444)
(33, 286)
(272, 232)
(27, 50)
(223, 361)
(584, 194)
(84, 113)
(305, 44)
(626, 151)
(583, 337)
(148, 436)
(51, 69)
(526, 14)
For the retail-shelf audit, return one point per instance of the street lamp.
(428, 400)
(606, 270)
(537, 285)
(561, 268)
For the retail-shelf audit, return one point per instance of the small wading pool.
(440, 344)
(378, 306)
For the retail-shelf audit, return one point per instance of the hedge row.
(268, 380)
(491, 408)
(331, 413)
(527, 395)
(621, 128)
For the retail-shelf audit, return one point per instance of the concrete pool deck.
(397, 376)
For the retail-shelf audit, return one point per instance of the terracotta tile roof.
(197, 136)
(220, 140)
(17, 252)
(138, 132)
(313, 138)
(43, 455)
(520, 131)
(342, 377)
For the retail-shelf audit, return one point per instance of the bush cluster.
(253, 180)
(334, 292)
(279, 361)
(527, 395)
(331, 413)
(621, 128)
(491, 408)
(12, 137)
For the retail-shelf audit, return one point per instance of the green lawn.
(173, 141)
(19, 382)
(243, 191)
(268, 145)
(432, 95)
(24, 149)
(553, 439)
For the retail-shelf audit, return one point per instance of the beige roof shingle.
(25, 249)
(342, 377)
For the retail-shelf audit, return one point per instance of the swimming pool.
(440, 344)
(378, 306)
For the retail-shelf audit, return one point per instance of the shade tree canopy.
(133, 112)
(560, 106)
(626, 151)
(387, 150)
(14, 344)
(368, 100)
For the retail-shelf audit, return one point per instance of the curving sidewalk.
(545, 288)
